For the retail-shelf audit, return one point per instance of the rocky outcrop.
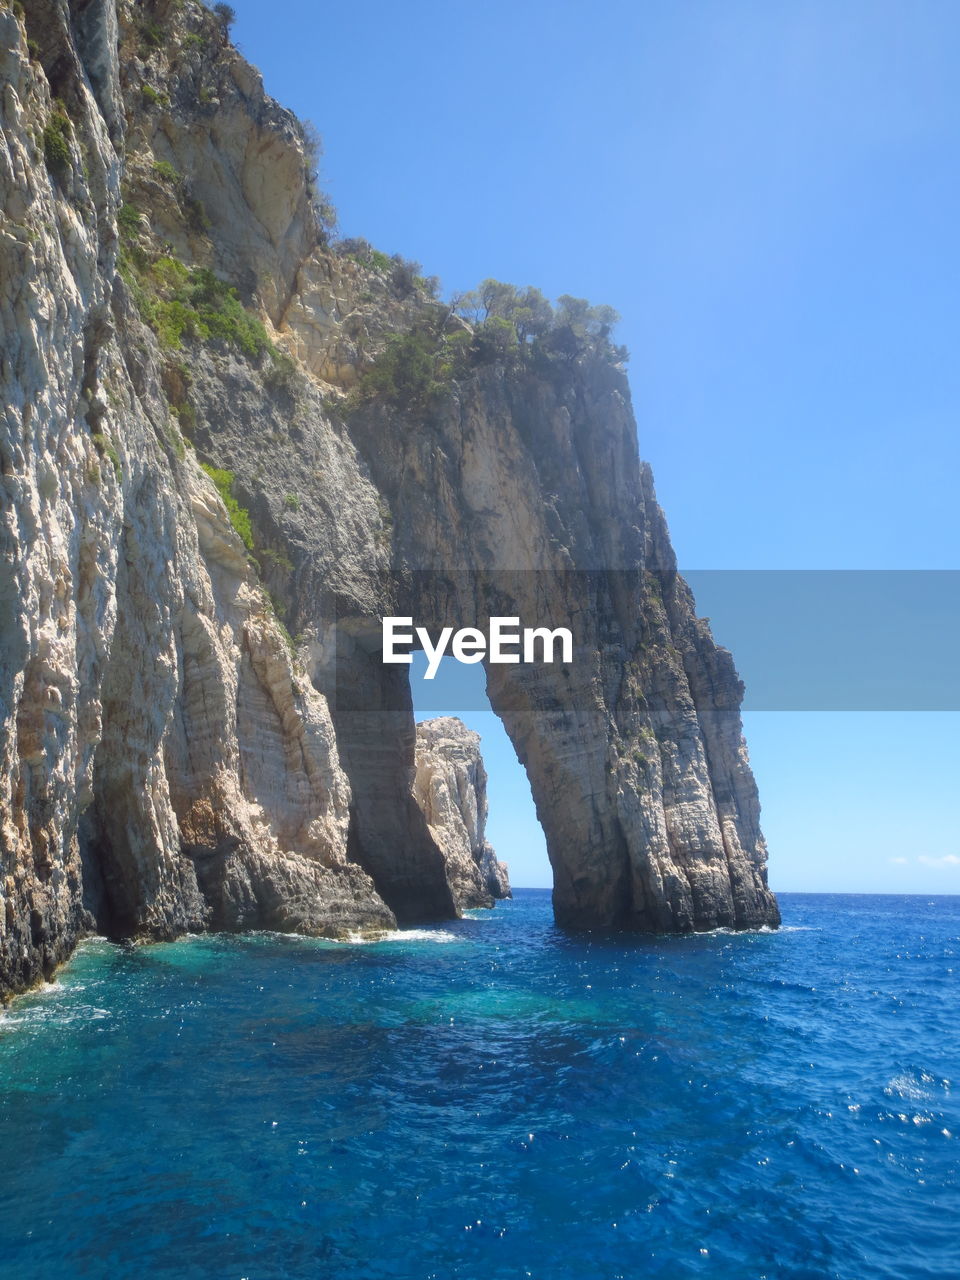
(451, 789)
(169, 758)
(166, 764)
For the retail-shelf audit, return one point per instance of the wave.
(355, 938)
(402, 935)
(725, 930)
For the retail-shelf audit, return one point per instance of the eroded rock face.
(527, 498)
(167, 760)
(165, 764)
(451, 789)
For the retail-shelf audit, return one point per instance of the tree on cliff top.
(564, 330)
(526, 309)
(225, 14)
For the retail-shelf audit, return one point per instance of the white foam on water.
(725, 931)
(33, 1015)
(49, 989)
(403, 935)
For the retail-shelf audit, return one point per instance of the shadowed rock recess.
(221, 431)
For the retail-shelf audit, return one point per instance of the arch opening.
(513, 828)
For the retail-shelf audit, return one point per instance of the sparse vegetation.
(277, 609)
(405, 374)
(568, 328)
(106, 449)
(220, 314)
(323, 207)
(226, 15)
(129, 219)
(362, 251)
(281, 374)
(285, 632)
(291, 502)
(312, 145)
(153, 96)
(165, 170)
(151, 37)
(186, 415)
(275, 559)
(176, 442)
(403, 274)
(505, 325)
(56, 142)
(239, 516)
(430, 285)
(325, 211)
(195, 214)
(179, 302)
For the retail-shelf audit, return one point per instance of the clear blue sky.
(769, 193)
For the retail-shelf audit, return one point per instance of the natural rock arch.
(168, 759)
(523, 495)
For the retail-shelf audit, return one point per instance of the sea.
(495, 1098)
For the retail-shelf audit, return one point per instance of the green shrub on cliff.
(221, 314)
(179, 302)
(404, 275)
(171, 320)
(239, 516)
(151, 37)
(404, 374)
(507, 326)
(362, 251)
(56, 142)
(129, 219)
(165, 170)
(153, 96)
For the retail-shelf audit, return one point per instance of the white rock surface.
(451, 789)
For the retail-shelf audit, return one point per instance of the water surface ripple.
(494, 1098)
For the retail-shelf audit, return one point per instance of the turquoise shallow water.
(494, 1098)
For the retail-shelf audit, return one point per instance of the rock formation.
(169, 758)
(451, 789)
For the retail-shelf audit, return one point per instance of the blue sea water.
(495, 1098)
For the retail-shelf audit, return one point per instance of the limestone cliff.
(451, 789)
(169, 758)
